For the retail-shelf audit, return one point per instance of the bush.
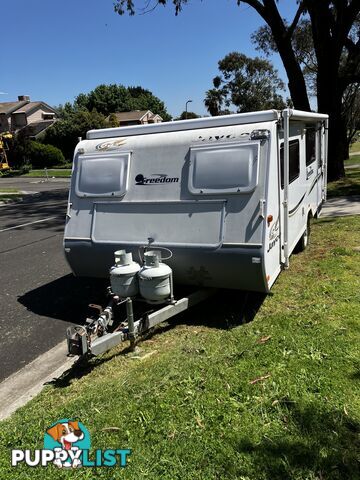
(25, 168)
(42, 156)
(64, 166)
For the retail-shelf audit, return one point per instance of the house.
(31, 118)
(137, 117)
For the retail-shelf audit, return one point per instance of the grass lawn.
(275, 398)
(349, 185)
(355, 147)
(353, 160)
(9, 193)
(51, 173)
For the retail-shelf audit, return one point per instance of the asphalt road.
(34, 184)
(39, 297)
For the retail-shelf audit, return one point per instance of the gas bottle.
(123, 275)
(154, 278)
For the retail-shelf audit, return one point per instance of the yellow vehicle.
(4, 165)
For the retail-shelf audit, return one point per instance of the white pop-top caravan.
(230, 196)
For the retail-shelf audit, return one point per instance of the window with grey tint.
(102, 175)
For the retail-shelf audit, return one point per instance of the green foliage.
(41, 155)
(188, 115)
(108, 99)
(25, 168)
(65, 132)
(249, 84)
(113, 121)
(18, 154)
(90, 110)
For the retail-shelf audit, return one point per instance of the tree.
(187, 115)
(247, 83)
(337, 55)
(303, 46)
(107, 99)
(65, 132)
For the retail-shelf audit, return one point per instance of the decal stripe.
(297, 206)
(314, 183)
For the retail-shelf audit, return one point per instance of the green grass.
(349, 185)
(189, 411)
(9, 194)
(4, 197)
(51, 173)
(355, 147)
(353, 160)
(8, 190)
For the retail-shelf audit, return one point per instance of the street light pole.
(186, 104)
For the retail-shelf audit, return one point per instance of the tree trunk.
(297, 86)
(329, 95)
(330, 90)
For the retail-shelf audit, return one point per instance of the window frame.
(111, 194)
(314, 130)
(195, 190)
(294, 141)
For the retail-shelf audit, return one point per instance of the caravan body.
(230, 196)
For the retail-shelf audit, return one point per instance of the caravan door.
(297, 187)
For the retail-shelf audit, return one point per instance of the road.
(39, 297)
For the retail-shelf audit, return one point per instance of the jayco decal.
(274, 234)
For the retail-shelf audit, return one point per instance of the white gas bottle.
(154, 278)
(123, 275)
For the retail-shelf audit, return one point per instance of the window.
(310, 145)
(102, 176)
(48, 116)
(294, 161)
(220, 169)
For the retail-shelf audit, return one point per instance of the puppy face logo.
(68, 438)
(66, 433)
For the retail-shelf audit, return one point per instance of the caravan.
(230, 197)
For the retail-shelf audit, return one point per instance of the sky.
(55, 50)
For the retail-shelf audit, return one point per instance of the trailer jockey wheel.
(305, 238)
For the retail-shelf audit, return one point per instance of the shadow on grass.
(325, 444)
(225, 310)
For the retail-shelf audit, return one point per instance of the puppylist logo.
(67, 445)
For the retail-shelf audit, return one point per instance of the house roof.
(22, 106)
(128, 116)
(9, 107)
(134, 115)
(35, 128)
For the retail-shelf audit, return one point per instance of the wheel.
(305, 238)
